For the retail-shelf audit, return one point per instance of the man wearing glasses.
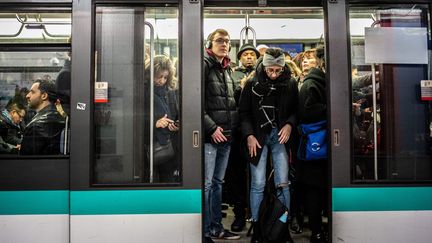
(42, 134)
(267, 109)
(10, 127)
(220, 118)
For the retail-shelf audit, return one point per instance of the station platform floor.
(298, 238)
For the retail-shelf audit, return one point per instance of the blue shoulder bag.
(313, 141)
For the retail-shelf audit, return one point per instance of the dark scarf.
(161, 94)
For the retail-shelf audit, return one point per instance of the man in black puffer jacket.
(220, 118)
(42, 133)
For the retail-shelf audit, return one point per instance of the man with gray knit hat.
(267, 109)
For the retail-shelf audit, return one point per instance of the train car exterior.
(104, 183)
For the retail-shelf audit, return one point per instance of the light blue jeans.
(216, 161)
(281, 171)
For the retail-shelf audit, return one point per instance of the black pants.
(236, 178)
(313, 179)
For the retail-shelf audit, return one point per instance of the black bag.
(272, 216)
(163, 153)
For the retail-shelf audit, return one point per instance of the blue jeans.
(281, 171)
(216, 160)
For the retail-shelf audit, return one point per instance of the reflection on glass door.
(391, 121)
(136, 99)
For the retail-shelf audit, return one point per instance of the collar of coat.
(225, 61)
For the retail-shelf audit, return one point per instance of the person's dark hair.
(320, 52)
(15, 104)
(48, 87)
(275, 52)
(287, 54)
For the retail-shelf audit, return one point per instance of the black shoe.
(208, 240)
(226, 235)
(238, 224)
(317, 238)
(256, 235)
(295, 226)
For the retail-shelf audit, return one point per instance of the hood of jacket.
(317, 75)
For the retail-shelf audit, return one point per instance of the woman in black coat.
(313, 175)
(166, 117)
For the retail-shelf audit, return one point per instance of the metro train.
(105, 185)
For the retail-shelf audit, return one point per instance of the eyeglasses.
(19, 115)
(221, 41)
(276, 71)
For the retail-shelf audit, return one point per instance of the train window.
(391, 115)
(35, 27)
(136, 99)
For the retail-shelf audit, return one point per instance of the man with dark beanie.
(247, 55)
(268, 106)
(220, 118)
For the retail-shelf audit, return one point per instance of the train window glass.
(35, 27)
(34, 124)
(391, 116)
(136, 123)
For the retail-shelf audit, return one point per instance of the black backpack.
(272, 216)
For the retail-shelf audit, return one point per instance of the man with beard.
(42, 133)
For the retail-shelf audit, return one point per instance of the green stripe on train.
(382, 199)
(34, 202)
(135, 202)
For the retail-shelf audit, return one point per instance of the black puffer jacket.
(286, 104)
(312, 98)
(220, 106)
(42, 134)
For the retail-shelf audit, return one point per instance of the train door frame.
(82, 86)
(343, 187)
(337, 70)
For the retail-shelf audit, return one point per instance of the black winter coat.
(220, 106)
(42, 134)
(165, 102)
(312, 98)
(313, 108)
(10, 134)
(286, 104)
